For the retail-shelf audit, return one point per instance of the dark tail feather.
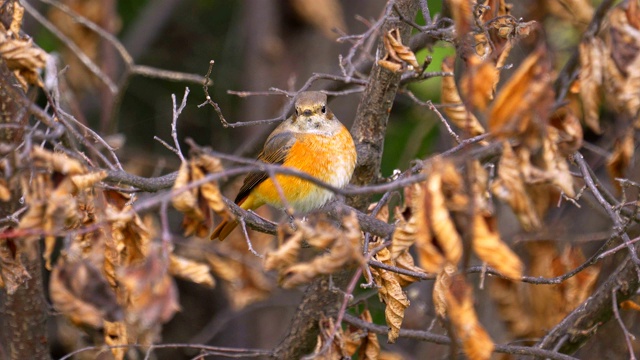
(223, 230)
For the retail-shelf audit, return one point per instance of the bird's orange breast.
(329, 158)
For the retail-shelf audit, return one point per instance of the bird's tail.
(223, 229)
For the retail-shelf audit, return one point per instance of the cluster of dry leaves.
(107, 273)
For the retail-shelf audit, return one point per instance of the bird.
(311, 140)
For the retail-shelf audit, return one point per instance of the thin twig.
(628, 337)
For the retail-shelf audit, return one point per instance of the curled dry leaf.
(115, 335)
(81, 293)
(580, 12)
(326, 16)
(476, 343)
(290, 245)
(344, 251)
(398, 55)
(23, 57)
(569, 131)
(390, 293)
(478, 83)
(455, 109)
(404, 235)
(365, 343)
(529, 309)
(440, 287)
(524, 101)
(510, 188)
(12, 272)
(187, 269)
(490, 248)
(336, 349)
(153, 296)
(197, 202)
(622, 67)
(619, 160)
(592, 57)
(5, 193)
(437, 239)
(129, 239)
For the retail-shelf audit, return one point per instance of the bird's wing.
(275, 151)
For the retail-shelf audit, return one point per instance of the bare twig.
(628, 337)
(444, 340)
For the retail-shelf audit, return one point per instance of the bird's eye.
(324, 109)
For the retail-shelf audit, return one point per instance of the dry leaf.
(345, 251)
(630, 305)
(153, 296)
(619, 160)
(197, 203)
(196, 272)
(592, 55)
(510, 188)
(115, 334)
(12, 272)
(325, 15)
(530, 309)
(336, 350)
(398, 55)
(476, 343)
(525, 101)
(22, 57)
(80, 292)
(490, 248)
(391, 293)
(455, 109)
(622, 67)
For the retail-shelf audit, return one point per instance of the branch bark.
(23, 312)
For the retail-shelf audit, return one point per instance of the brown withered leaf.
(569, 131)
(404, 235)
(187, 269)
(462, 15)
(344, 251)
(390, 293)
(476, 343)
(398, 56)
(579, 12)
(592, 57)
(554, 166)
(524, 100)
(365, 343)
(455, 109)
(619, 160)
(490, 248)
(440, 287)
(129, 238)
(244, 281)
(197, 203)
(22, 57)
(437, 239)
(510, 188)
(324, 15)
(153, 296)
(5, 193)
(242, 273)
(622, 67)
(289, 249)
(478, 83)
(529, 309)
(81, 293)
(12, 272)
(115, 335)
(336, 349)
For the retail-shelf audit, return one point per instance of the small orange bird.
(312, 140)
